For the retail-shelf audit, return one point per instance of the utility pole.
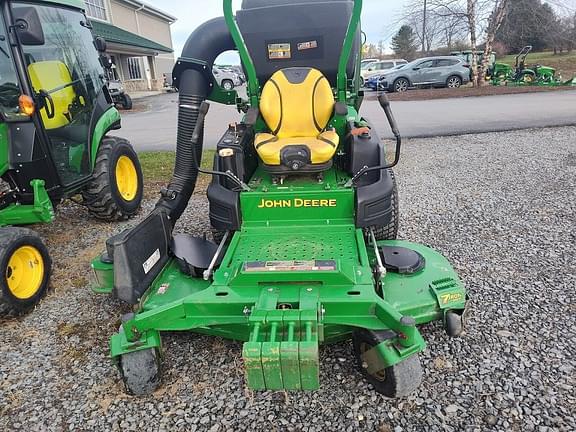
(424, 26)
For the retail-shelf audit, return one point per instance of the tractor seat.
(297, 104)
(54, 77)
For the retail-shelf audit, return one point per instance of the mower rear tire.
(25, 268)
(394, 381)
(140, 371)
(117, 186)
(390, 231)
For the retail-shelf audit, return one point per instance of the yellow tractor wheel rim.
(25, 272)
(126, 178)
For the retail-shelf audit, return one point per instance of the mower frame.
(299, 271)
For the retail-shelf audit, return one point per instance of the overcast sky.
(379, 17)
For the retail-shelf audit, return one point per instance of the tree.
(529, 22)
(404, 43)
(435, 30)
(482, 17)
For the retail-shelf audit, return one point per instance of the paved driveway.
(155, 129)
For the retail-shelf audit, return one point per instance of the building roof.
(117, 35)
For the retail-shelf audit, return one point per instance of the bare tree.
(434, 29)
(483, 19)
(494, 23)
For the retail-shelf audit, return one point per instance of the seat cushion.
(322, 147)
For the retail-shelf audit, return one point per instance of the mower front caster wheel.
(394, 381)
(454, 324)
(140, 371)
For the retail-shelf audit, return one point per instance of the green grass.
(565, 64)
(159, 166)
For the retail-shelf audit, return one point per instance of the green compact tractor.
(521, 74)
(304, 211)
(55, 114)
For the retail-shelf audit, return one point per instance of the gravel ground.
(500, 206)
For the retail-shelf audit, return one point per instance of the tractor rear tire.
(140, 371)
(394, 381)
(25, 267)
(390, 231)
(117, 186)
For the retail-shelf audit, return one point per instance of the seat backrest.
(282, 34)
(55, 78)
(297, 102)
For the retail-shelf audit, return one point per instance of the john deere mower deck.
(304, 208)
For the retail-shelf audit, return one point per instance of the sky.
(378, 18)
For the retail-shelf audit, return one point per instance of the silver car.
(227, 79)
(449, 71)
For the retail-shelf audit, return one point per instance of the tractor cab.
(55, 114)
(57, 63)
(303, 210)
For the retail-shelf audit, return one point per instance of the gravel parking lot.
(501, 206)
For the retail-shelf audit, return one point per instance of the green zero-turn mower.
(304, 210)
(525, 75)
(55, 114)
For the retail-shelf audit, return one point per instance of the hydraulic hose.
(204, 45)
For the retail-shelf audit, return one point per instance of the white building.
(139, 40)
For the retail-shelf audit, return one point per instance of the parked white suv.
(227, 79)
(379, 67)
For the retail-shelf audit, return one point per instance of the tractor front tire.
(390, 231)
(25, 268)
(117, 186)
(394, 381)
(140, 371)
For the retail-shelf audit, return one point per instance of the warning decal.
(280, 51)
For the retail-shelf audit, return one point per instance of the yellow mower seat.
(297, 104)
(54, 78)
